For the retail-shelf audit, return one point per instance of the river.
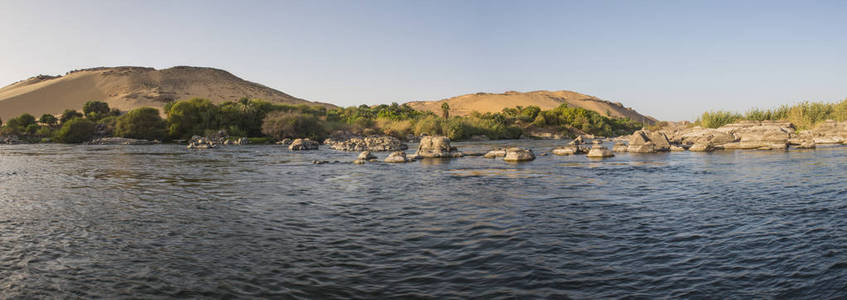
(263, 222)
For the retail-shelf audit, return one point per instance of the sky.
(669, 59)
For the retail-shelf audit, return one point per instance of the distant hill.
(487, 102)
(127, 88)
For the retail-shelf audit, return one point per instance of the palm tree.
(445, 110)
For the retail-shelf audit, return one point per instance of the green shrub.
(48, 119)
(192, 117)
(715, 119)
(95, 110)
(68, 115)
(141, 123)
(281, 125)
(76, 130)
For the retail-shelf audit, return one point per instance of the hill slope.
(487, 102)
(126, 88)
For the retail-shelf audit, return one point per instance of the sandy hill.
(126, 88)
(487, 102)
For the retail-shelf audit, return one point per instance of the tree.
(281, 125)
(76, 130)
(445, 110)
(142, 123)
(68, 115)
(25, 120)
(96, 109)
(48, 120)
(192, 117)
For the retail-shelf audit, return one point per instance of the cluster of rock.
(365, 156)
(121, 141)
(238, 141)
(397, 157)
(436, 147)
(573, 148)
(199, 142)
(761, 135)
(513, 154)
(10, 140)
(303, 144)
(369, 143)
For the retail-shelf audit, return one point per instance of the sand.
(488, 102)
(127, 88)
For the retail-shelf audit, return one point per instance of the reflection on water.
(263, 222)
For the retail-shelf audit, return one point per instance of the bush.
(192, 117)
(76, 130)
(95, 110)
(717, 119)
(141, 123)
(48, 119)
(68, 115)
(281, 125)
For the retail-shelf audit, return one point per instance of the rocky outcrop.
(303, 144)
(759, 135)
(370, 143)
(120, 141)
(199, 142)
(644, 141)
(397, 157)
(619, 147)
(829, 132)
(600, 151)
(702, 147)
(516, 154)
(436, 147)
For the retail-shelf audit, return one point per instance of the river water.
(263, 222)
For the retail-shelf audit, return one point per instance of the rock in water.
(600, 151)
(567, 150)
(370, 143)
(397, 157)
(518, 154)
(495, 153)
(366, 155)
(303, 144)
(120, 141)
(435, 147)
(644, 141)
(619, 147)
(198, 142)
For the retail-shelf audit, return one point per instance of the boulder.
(600, 151)
(518, 154)
(436, 147)
(366, 155)
(285, 141)
(644, 141)
(619, 147)
(369, 143)
(495, 153)
(303, 144)
(397, 157)
(676, 148)
(568, 150)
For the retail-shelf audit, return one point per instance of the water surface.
(264, 222)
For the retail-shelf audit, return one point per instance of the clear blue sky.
(669, 59)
